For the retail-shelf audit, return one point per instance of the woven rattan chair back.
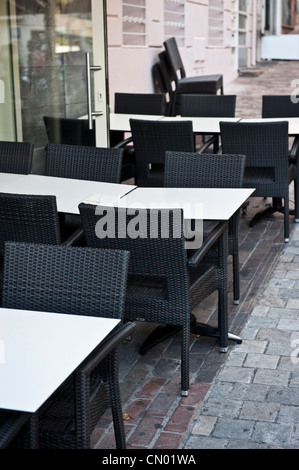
(64, 279)
(16, 157)
(193, 170)
(83, 162)
(151, 140)
(279, 106)
(265, 146)
(208, 105)
(28, 218)
(140, 103)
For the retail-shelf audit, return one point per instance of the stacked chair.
(170, 73)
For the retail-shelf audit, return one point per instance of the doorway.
(45, 72)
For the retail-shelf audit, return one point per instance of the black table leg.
(163, 332)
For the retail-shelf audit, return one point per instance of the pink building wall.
(130, 66)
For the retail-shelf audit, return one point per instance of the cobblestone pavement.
(247, 398)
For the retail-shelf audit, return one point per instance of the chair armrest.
(208, 242)
(294, 151)
(212, 140)
(123, 143)
(119, 333)
(74, 238)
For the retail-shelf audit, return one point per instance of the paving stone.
(252, 346)
(290, 313)
(201, 442)
(252, 392)
(283, 395)
(221, 407)
(288, 415)
(262, 361)
(245, 445)
(272, 377)
(293, 303)
(204, 425)
(289, 325)
(180, 419)
(271, 334)
(233, 429)
(271, 433)
(236, 374)
(259, 411)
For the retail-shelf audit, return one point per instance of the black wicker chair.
(134, 103)
(284, 106)
(279, 106)
(79, 281)
(208, 106)
(30, 218)
(151, 139)
(191, 170)
(16, 157)
(69, 131)
(164, 286)
(265, 146)
(161, 81)
(84, 162)
(204, 84)
(17, 426)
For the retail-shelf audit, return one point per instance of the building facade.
(45, 43)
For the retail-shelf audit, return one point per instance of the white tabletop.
(293, 123)
(202, 125)
(197, 203)
(69, 192)
(121, 122)
(7, 178)
(39, 350)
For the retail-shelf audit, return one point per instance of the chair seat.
(200, 84)
(255, 176)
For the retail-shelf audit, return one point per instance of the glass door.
(53, 73)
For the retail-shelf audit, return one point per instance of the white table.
(121, 122)
(69, 192)
(203, 125)
(39, 350)
(203, 203)
(293, 123)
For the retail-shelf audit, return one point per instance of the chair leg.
(236, 277)
(296, 198)
(185, 360)
(286, 219)
(115, 397)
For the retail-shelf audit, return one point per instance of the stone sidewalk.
(254, 400)
(247, 398)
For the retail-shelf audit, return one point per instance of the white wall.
(130, 66)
